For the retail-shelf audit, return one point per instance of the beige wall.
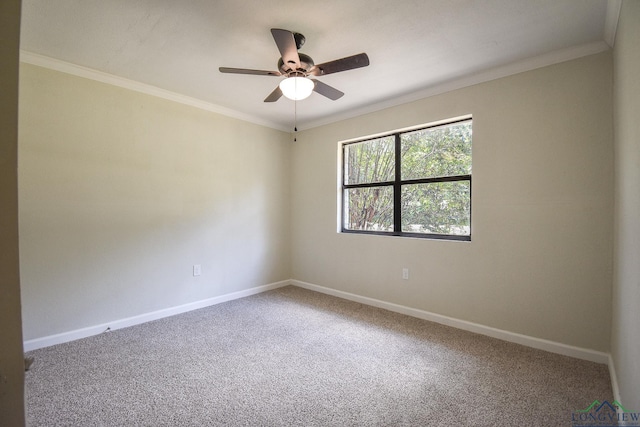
(625, 340)
(540, 259)
(122, 193)
(11, 362)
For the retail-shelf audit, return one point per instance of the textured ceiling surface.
(413, 45)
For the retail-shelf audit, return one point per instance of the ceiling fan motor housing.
(300, 39)
(305, 65)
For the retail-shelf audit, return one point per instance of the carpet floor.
(293, 357)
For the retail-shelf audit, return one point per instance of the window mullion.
(397, 188)
(452, 178)
(369, 184)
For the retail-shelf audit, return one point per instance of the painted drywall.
(540, 259)
(625, 336)
(11, 362)
(121, 193)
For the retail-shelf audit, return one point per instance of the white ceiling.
(416, 47)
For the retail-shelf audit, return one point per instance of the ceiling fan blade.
(326, 90)
(274, 96)
(349, 63)
(286, 43)
(247, 71)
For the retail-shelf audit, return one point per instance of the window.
(415, 183)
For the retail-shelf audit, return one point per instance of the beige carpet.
(292, 357)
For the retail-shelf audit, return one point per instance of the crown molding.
(611, 21)
(99, 76)
(517, 67)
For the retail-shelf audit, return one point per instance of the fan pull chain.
(295, 119)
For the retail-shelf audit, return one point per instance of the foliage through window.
(415, 183)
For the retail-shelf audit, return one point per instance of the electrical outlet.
(197, 270)
(405, 273)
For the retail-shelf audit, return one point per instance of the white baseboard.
(50, 340)
(551, 346)
(541, 344)
(614, 380)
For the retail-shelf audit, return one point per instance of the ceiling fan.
(297, 68)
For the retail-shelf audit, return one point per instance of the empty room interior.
(443, 231)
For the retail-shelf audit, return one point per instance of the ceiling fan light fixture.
(296, 88)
